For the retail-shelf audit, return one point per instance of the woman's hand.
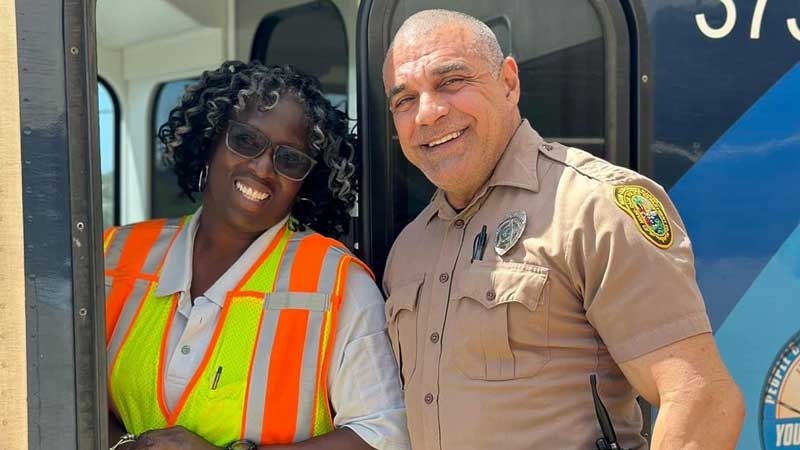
(175, 438)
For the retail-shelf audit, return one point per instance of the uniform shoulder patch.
(648, 213)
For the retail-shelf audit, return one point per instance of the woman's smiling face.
(247, 192)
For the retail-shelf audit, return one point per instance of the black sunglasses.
(248, 142)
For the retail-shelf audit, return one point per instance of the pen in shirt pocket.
(479, 245)
(216, 378)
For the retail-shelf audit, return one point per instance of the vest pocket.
(401, 318)
(500, 318)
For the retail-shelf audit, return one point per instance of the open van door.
(579, 70)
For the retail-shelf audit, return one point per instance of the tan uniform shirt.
(496, 353)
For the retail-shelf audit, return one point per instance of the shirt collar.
(516, 168)
(176, 274)
(517, 165)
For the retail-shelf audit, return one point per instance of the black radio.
(609, 439)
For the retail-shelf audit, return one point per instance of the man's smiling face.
(451, 109)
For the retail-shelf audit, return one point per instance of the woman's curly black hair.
(194, 127)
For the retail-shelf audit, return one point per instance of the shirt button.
(444, 277)
(429, 398)
(459, 223)
(490, 295)
(435, 337)
(186, 349)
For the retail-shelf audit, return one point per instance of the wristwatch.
(243, 444)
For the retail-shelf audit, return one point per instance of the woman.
(239, 326)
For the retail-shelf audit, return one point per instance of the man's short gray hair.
(425, 22)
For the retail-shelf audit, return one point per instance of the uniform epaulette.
(587, 164)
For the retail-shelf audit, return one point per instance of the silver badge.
(509, 232)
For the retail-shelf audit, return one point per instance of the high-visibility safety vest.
(264, 375)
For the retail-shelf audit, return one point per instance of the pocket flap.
(496, 283)
(404, 296)
(312, 301)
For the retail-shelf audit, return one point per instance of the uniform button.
(490, 295)
(186, 349)
(459, 223)
(429, 398)
(435, 337)
(444, 277)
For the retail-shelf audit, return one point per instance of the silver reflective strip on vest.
(259, 377)
(311, 353)
(285, 269)
(330, 266)
(159, 250)
(311, 301)
(115, 247)
(138, 294)
(308, 377)
(108, 283)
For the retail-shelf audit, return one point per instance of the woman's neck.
(217, 246)
(217, 237)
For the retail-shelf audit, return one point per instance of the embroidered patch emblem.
(509, 232)
(648, 213)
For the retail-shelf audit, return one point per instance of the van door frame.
(62, 195)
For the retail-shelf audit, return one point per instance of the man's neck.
(459, 200)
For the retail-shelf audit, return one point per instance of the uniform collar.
(176, 274)
(516, 168)
(517, 165)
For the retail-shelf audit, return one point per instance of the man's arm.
(700, 406)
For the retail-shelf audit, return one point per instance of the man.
(586, 269)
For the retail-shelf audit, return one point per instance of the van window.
(166, 199)
(108, 109)
(312, 38)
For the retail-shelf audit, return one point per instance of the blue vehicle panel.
(726, 109)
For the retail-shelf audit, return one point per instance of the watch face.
(780, 404)
(242, 445)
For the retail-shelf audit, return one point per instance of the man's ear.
(509, 73)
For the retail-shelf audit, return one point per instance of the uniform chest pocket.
(401, 318)
(501, 321)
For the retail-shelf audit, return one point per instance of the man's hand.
(700, 406)
(175, 438)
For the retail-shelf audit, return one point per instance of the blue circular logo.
(780, 403)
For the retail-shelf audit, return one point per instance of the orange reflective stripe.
(283, 390)
(280, 406)
(134, 253)
(306, 270)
